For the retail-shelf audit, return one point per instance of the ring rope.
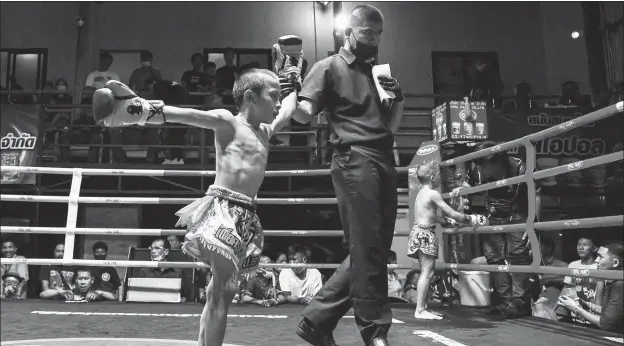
(546, 173)
(161, 200)
(164, 232)
(557, 225)
(602, 274)
(160, 172)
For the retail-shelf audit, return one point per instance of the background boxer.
(422, 243)
(506, 205)
(223, 229)
(364, 178)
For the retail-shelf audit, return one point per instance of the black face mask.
(363, 51)
(99, 257)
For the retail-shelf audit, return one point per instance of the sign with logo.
(464, 123)
(20, 131)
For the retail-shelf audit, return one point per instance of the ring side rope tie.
(530, 227)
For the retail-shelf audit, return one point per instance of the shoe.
(306, 331)
(379, 341)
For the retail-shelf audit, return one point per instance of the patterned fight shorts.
(224, 222)
(422, 238)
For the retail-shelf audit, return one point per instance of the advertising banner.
(20, 129)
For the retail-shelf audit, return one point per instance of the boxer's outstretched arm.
(447, 210)
(213, 119)
(289, 105)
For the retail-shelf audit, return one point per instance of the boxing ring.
(252, 325)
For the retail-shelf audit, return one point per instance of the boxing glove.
(116, 105)
(288, 57)
(477, 220)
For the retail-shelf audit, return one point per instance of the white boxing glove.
(477, 220)
(116, 105)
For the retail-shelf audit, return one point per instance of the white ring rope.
(159, 172)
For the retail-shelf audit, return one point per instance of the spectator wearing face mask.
(11, 283)
(9, 250)
(159, 252)
(106, 278)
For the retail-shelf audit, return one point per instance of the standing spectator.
(11, 283)
(226, 75)
(98, 78)
(106, 278)
(57, 281)
(172, 93)
(159, 252)
(210, 69)
(485, 83)
(140, 76)
(582, 287)
(610, 315)
(299, 285)
(195, 80)
(9, 250)
(263, 289)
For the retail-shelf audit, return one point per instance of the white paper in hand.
(382, 70)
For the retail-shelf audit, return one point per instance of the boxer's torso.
(241, 157)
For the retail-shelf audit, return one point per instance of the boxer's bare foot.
(426, 315)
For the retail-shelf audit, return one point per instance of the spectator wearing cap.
(610, 314)
(106, 278)
(9, 250)
(11, 284)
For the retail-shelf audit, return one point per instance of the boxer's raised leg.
(221, 291)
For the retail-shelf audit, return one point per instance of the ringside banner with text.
(20, 129)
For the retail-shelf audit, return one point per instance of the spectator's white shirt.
(97, 79)
(585, 287)
(306, 287)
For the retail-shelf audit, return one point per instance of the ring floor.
(133, 324)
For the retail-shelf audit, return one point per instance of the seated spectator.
(571, 96)
(106, 278)
(86, 288)
(582, 287)
(485, 83)
(11, 283)
(610, 314)
(9, 250)
(299, 285)
(159, 251)
(175, 241)
(395, 282)
(550, 285)
(57, 281)
(263, 289)
(173, 94)
(522, 92)
(18, 98)
(411, 285)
